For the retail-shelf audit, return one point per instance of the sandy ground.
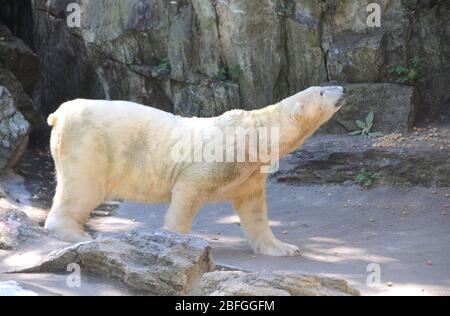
(341, 230)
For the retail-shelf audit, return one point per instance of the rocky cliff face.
(204, 57)
(201, 57)
(19, 76)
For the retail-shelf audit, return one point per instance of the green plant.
(366, 127)
(407, 184)
(401, 182)
(366, 178)
(222, 75)
(412, 75)
(163, 66)
(281, 8)
(232, 74)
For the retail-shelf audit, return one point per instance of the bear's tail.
(52, 119)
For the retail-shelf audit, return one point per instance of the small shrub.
(366, 178)
(410, 75)
(365, 127)
(407, 184)
(281, 8)
(232, 74)
(164, 66)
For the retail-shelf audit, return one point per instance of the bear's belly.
(141, 191)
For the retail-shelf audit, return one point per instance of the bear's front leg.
(252, 210)
(184, 206)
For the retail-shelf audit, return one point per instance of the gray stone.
(394, 107)
(194, 47)
(16, 227)
(238, 283)
(14, 131)
(338, 159)
(306, 62)
(156, 262)
(22, 101)
(359, 53)
(430, 41)
(19, 59)
(208, 99)
(357, 58)
(115, 55)
(251, 36)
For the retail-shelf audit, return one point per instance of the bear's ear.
(297, 111)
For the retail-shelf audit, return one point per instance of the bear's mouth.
(340, 103)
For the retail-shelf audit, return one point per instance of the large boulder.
(359, 53)
(394, 107)
(14, 131)
(238, 283)
(22, 101)
(155, 262)
(19, 59)
(357, 58)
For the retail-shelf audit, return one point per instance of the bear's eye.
(321, 93)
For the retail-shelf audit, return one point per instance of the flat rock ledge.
(337, 159)
(238, 283)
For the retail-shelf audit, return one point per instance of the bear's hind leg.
(71, 208)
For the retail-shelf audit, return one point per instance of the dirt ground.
(341, 230)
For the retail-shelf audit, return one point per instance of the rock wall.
(202, 57)
(19, 74)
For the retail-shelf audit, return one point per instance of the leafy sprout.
(164, 66)
(365, 127)
(366, 178)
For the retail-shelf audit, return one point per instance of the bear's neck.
(292, 134)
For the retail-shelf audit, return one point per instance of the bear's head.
(316, 105)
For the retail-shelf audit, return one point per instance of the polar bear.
(107, 150)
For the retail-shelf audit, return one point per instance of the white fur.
(106, 150)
